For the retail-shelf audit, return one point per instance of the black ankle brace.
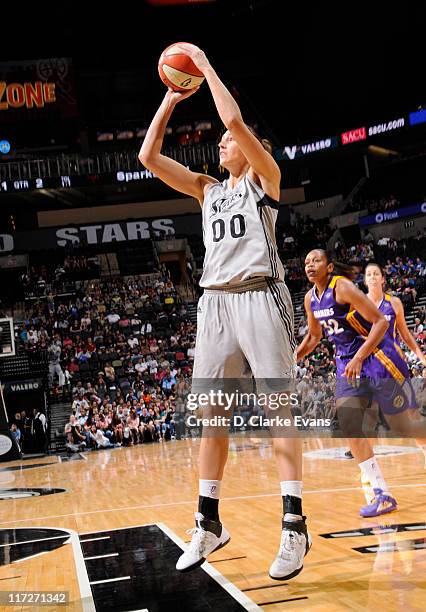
(208, 507)
(297, 526)
(212, 526)
(292, 504)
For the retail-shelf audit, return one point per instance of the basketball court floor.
(107, 527)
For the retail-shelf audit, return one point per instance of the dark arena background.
(100, 264)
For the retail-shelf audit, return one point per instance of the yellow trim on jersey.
(400, 351)
(378, 353)
(353, 322)
(334, 280)
(390, 366)
(388, 298)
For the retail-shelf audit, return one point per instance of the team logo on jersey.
(223, 204)
(398, 401)
(325, 312)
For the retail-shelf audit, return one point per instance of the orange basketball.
(177, 70)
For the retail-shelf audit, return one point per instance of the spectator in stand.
(303, 328)
(39, 431)
(191, 352)
(27, 439)
(86, 325)
(15, 432)
(32, 335)
(418, 329)
(133, 425)
(101, 440)
(133, 342)
(76, 441)
(79, 403)
(54, 352)
(113, 319)
(18, 421)
(109, 373)
(147, 426)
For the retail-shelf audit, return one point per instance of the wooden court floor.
(371, 564)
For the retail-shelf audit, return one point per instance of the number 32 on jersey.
(331, 327)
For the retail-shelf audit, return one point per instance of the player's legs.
(364, 448)
(361, 449)
(269, 349)
(351, 409)
(213, 456)
(288, 455)
(215, 328)
(209, 534)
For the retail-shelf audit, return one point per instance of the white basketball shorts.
(245, 333)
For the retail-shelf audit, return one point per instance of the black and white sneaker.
(207, 537)
(295, 544)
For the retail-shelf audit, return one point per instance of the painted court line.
(226, 584)
(62, 537)
(94, 539)
(110, 580)
(86, 599)
(100, 556)
(192, 502)
(238, 595)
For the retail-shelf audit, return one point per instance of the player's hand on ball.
(196, 54)
(353, 371)
(177, 96)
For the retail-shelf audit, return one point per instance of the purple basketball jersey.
(334, 321)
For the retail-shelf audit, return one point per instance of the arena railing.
(101, 163)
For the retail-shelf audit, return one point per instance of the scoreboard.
(78, 180)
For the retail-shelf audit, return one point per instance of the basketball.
(177, 70)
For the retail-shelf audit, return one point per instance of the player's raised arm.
(261, 161)
(171, 172)
(314, 335)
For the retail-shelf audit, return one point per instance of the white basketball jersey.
(239, 235)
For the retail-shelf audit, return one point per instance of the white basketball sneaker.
(295, 544)
(207, 537)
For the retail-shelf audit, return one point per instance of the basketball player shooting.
(245, 312)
